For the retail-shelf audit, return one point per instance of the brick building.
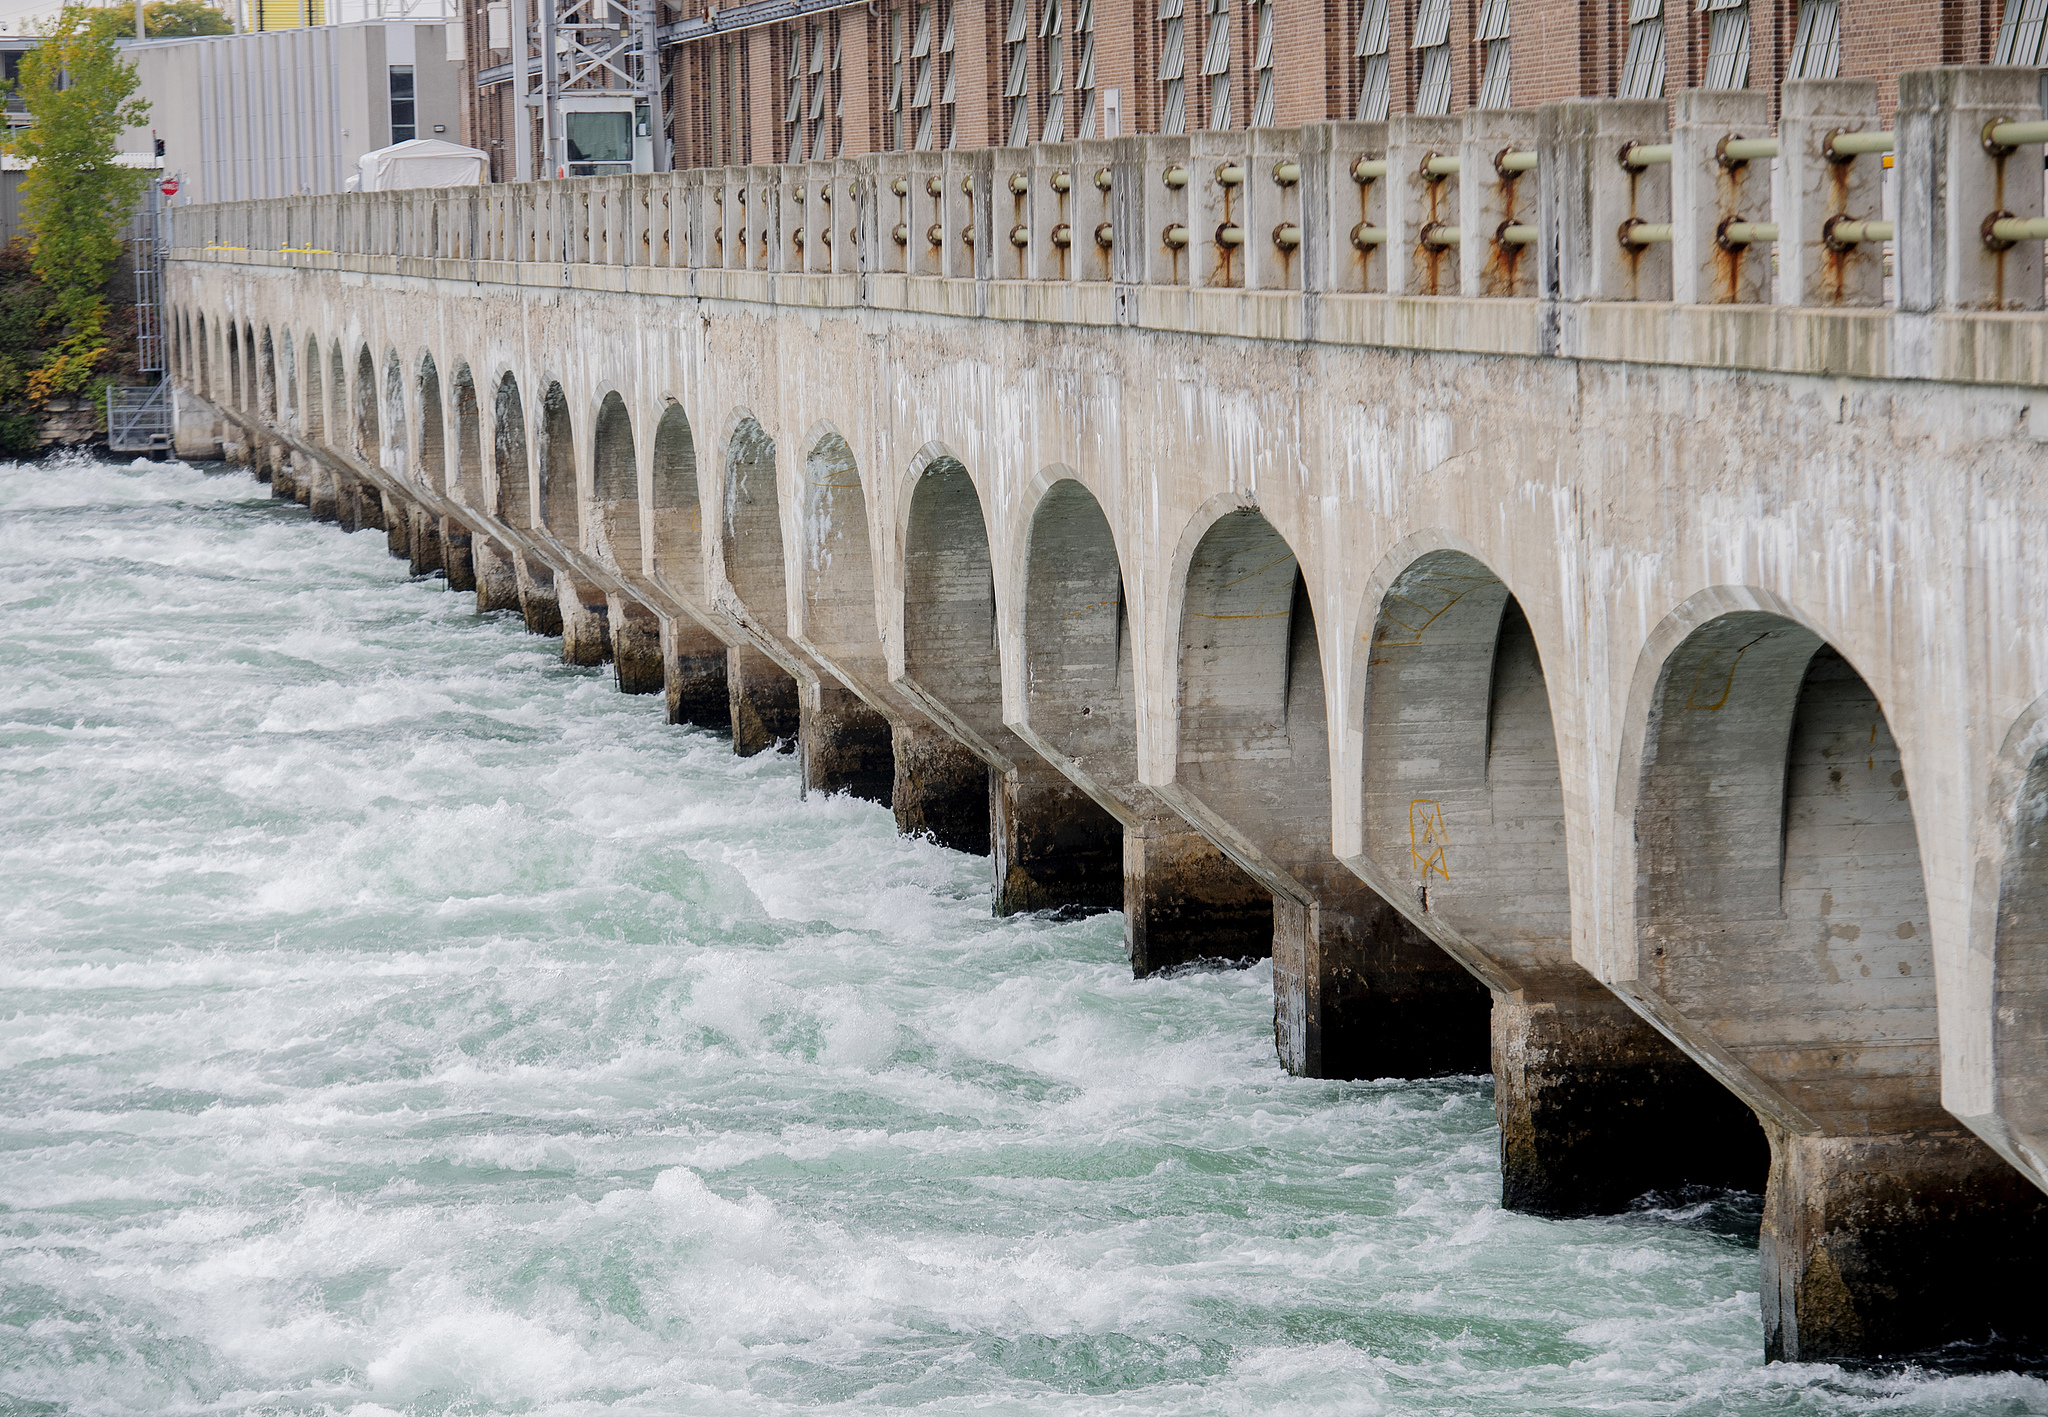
(773, 80)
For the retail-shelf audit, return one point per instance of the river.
(395, 1020)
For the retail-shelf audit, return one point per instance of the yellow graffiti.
(1427, 839)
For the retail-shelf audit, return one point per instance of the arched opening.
(753, 527)
(1077, 637)
(678, 514)
(839, 584)
(393, 450)
(469, 453)
(1782, 927)
(234, 390)
(1183, 899)
(313, 415)
(509, 457)
(199, 345)
(267, 378)
(1050, 844)
(1464, 813)
(2020, 976)
(433, 470)
(368, 437)
(848, 744)
(337, 395)
(248, 395)
(1779, 900)
(949, 605)
(616, 486)
(1357, 991)
(558, 468)
(288, 373)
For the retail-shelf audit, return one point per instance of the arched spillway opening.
(557, 469)
(1782, 925)
(1358, 991)
(1050, 844)
(616, 486)
(1464, 816)
(764, 697)
(1183, 899)
(433, 454)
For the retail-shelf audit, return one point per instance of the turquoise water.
(394, 1020)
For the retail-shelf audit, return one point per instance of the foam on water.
(392, 1019)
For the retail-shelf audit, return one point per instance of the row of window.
(1057, 39)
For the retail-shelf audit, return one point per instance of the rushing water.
(392, 1019)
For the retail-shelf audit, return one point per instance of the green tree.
(164, 19)
(75, 197)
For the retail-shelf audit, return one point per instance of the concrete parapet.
(1813, 188)
(1591, 196)
(1879, 1246)
(1707, 193)
(1493, 196)
(1953, 181)
(1418, 202)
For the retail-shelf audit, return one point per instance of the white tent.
(421, 162)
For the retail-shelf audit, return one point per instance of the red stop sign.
(169, 186)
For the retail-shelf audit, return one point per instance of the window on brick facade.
(1727, 43)
(1053, 43)
(793, 114)
(1642, 74)
(1216, 62)
(1084, 72)
(1262, 63)
(1017, 60)
(1493, 33)
(1173, 67)
(949, 133)
(824, 73)
(1817, 43)
(2022, 32)
(898, 116)
(921, 72)
(1433, 43)
(1376, 88)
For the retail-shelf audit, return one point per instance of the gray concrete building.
(288, 112)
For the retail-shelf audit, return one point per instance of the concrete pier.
(586, 621)
(497, 576)
(539, 600)
(636, 646)
(694, 674)
(762, 700)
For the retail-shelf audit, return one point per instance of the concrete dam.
(1567, 584)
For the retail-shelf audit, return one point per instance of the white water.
(392, 1019)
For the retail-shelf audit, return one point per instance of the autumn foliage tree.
(75, 196)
